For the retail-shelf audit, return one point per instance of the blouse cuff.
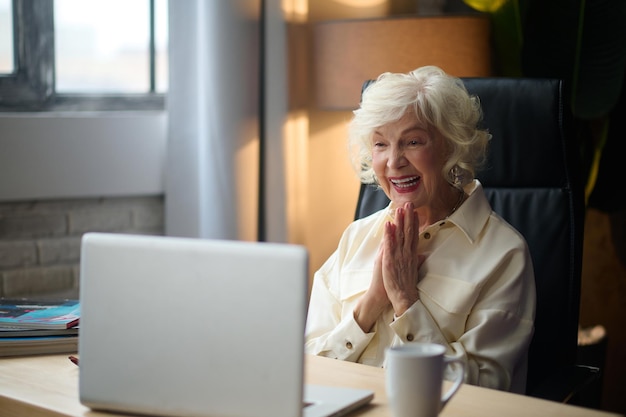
(416, 325)
(349, 340)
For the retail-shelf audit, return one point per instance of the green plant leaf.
(507, 29)
(488, 6)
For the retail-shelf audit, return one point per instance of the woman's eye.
(415, 142)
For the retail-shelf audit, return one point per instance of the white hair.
(438, 100)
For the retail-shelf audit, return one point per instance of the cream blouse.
(477, 295)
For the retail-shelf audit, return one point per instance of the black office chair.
(533, 180)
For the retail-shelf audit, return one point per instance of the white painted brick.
(16, 207)
(38, 281)
(59, 251)
(99, 220)
(40, 240)
(64, 206)
(17, 253)
(148, 217)
(18, 226)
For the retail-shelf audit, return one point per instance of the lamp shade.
(348, 52)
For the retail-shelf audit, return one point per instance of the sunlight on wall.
(295, 10)
(362, 3)
(333, 186)
(295, 137)
(247, 163)
(321, 186)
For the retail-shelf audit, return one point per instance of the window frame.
(31, 86)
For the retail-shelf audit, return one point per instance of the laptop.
(194, 327)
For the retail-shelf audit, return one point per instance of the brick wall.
(40, 240)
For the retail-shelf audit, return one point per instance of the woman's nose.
(396, 158)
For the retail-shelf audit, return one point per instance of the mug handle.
(460, 377)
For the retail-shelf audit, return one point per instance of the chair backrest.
(533, 180)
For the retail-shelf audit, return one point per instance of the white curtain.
(213, 114)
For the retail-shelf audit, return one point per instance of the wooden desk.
(48, 386)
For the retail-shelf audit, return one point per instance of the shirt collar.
(473, 214)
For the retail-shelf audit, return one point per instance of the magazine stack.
(36, 327)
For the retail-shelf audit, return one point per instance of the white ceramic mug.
(414, 377)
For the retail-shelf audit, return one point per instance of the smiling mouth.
(405, 182)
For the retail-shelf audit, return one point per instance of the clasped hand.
(395, 276)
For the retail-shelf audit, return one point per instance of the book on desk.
(33, 327)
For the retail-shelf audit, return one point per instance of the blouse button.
(426, 235)
(349, 345)
(409, 337)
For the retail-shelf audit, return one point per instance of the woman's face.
(408, 158)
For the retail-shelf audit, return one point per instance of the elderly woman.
(437, 265)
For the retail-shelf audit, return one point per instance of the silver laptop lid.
(190, 327)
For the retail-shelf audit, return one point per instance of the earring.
(457, 175)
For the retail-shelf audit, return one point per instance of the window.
(83, 55)
(6, 37)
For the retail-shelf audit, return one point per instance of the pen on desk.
(74, 359)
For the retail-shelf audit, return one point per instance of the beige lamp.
(349, 52)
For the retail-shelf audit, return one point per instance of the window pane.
(6, 37)
(161, 43)
(102, 46)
